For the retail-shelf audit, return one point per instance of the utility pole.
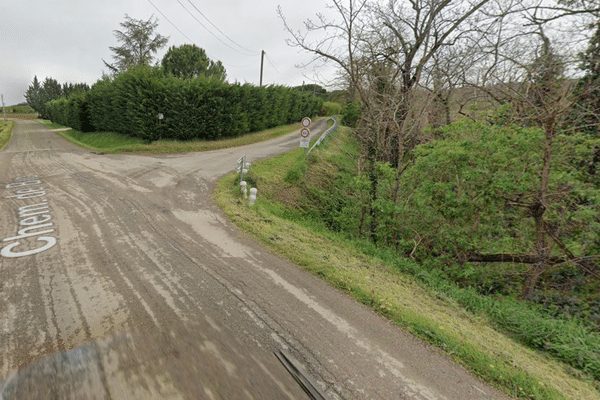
(262, 62)
(3, 108)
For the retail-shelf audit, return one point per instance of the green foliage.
(460, 196)
(563, 339)
(139, 43)
(72, 111)
(196, 108)
(20, 109)
(586, 113)
(350, 114)
(330, 109)
(463, 193)
(296, 173)
(6, 128)
(315, 89)
(37, 95)
(190, 61)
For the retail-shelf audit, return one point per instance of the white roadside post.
(244, 186)
(253, 192)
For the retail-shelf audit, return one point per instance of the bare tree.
(396, 39)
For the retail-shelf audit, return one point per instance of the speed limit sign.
(304, 133)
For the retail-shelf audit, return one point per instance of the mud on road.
(144, 285)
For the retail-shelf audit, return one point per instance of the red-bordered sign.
(306, 122)
(304, 133)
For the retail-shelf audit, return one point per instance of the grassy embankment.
(399, 289)
(115, 143)
(6, 128)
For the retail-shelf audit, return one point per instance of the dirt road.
(124, 267)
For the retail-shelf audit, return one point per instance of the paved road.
(120, 268)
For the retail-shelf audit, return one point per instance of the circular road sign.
(306, 122)
(305, 132)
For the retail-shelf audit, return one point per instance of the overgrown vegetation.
(320, 195)
(458, 212)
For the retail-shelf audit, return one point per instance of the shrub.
(330, 109)
(197, 108)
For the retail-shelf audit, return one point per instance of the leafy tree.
(315, 89)
(190, 61)
(38, 95)
(70, 88)
(139, 43)
(32, 95)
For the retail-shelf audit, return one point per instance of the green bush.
(330, 109)
(350, 114)
(198, 108)
(456, 198)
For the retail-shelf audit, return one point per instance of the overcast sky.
(67, 39)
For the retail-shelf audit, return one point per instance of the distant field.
(20, 112)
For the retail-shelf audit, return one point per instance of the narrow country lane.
(123, 266)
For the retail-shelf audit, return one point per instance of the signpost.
(305, 134)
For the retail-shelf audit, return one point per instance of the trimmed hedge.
(72, 112)
(197, 108)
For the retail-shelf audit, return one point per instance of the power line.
(277, 69)
(175, 26)
(222, 33)
(209, 31)
(169, 21)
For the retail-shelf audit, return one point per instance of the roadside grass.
(401, 290)
(108, 142)
(51, 125)
(6, 128)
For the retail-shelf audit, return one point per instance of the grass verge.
(6, 128)
(108, 142)
(387, 287)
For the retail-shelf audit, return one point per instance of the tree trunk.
(537, 210)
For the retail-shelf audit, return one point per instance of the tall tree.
(190, 61)
(32, 95)
(139, 43)
(37, 95)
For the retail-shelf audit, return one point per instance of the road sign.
(304, 133)
(306, 122)
(305, 143)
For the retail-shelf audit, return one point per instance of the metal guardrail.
(324, 135)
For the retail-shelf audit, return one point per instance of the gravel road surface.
(120, 279)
